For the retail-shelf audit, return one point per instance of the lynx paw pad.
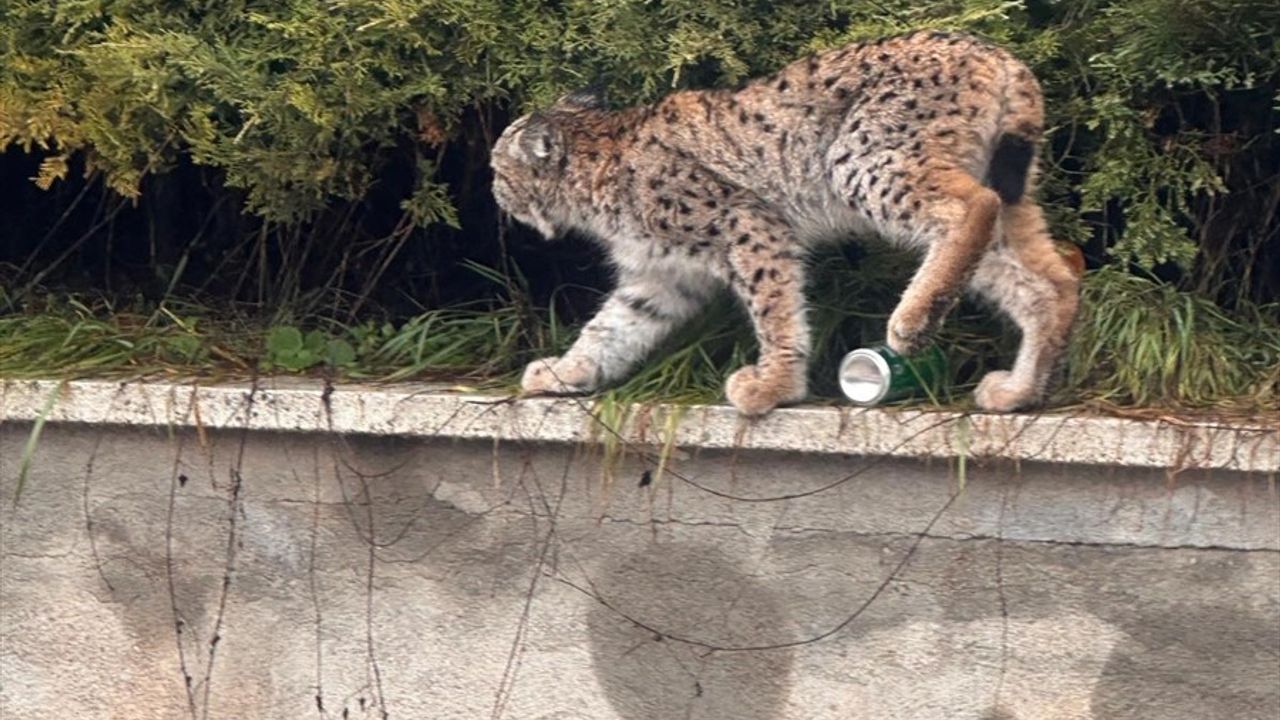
(908, 332)
(997, 392)
(754, 394)
(557, 376)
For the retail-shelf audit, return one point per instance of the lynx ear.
(591, 97)
(541, 139)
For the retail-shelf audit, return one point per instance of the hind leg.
(958, 221)
(1033, 284)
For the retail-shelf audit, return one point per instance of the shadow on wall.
(692, 591)
(1192, 661)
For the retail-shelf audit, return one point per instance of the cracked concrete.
(411, 577)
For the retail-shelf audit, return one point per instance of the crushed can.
(875, 375)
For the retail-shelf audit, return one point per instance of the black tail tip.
(1010, 164)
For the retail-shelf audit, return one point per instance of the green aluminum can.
(875, 375)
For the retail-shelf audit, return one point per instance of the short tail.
(1010, 166)
(1021, 126)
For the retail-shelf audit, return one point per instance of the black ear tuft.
(592, 97)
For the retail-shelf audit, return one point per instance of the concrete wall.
(147, 573)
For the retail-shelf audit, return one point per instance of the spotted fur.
(927, 139)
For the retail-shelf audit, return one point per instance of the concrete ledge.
(416, 410)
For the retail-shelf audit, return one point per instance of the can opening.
(862, 380)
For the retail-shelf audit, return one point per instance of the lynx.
(928, 139)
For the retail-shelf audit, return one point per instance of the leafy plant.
(289, 349)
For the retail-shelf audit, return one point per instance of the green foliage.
(453, 342)
(74, 339)
(1160, 75)
(287, 348)
(301, 103)
(1145, 343)
(1140, 344)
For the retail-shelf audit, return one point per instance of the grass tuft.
(1144, 343)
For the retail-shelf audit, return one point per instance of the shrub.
(1160, 106)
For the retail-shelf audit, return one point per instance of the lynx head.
(530, 158)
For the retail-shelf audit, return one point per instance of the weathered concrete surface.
(338, 576)
(430, 411)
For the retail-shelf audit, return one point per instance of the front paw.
(558, 376)
(908, 331)
(754, 392)
(997, 392)
(911, 326)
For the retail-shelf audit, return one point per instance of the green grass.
(79, 339)
(73, 338)
(1139, 344)
(1145, 344)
